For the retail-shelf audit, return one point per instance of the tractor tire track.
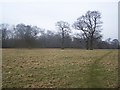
(96, 73)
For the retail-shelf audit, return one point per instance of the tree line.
(90, 37)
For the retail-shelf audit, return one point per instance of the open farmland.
(56, 68)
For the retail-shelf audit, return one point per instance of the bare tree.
(26, 34)
(4, 28)
(90, 25)
(115, 44)
(64, 29)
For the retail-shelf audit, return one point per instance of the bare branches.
(64, 29)
(89, 23)
(63, 26)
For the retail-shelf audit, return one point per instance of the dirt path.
(96, 73)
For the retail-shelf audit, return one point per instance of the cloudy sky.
(45, 13)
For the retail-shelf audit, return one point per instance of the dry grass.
(51, 68)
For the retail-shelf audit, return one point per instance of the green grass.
(56, 68)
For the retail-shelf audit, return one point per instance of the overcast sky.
(45, 13)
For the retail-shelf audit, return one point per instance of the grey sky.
(45, 13)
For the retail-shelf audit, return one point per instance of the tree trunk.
(87, 45)
(91, 43)
(62, 47)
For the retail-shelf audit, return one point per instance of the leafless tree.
(64, 29)
(90, 24)
(5, 33)
(26, 34)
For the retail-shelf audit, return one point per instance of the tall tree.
(26, 34)
(4, 28)
(64, 29)
(90, 24)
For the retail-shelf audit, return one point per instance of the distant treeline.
(90, 37)
(27, 36)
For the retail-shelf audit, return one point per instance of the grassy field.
(56, 68)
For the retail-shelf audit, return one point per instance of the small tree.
(64, 29)
(90, 25)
